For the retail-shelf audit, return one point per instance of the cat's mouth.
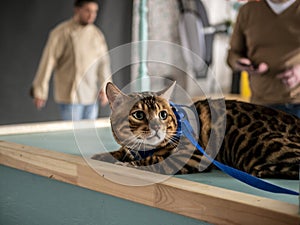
(153, 136)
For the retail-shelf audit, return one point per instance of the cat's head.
(142, 121)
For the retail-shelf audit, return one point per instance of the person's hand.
(245, 64)
(39, 103)
(290, 77)
(103, 98)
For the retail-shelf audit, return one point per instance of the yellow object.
(244, 85)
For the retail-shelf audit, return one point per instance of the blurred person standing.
(266, 43)
(76, 52)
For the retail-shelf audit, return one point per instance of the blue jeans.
(288, 108)
(78, 111)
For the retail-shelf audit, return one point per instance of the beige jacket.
(78, 57)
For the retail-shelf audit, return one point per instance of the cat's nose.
(154, 125)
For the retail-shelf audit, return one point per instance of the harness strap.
(253, 181)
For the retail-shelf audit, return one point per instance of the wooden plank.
(222, 206)
(203, 202)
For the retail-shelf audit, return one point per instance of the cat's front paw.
(121, 163)
(106, 157)
(127, 164)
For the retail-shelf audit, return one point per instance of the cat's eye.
(163, 115)
(139, 115)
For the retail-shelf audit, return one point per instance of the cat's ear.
(167, 92)
(115, 96)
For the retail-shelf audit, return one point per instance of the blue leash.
(187, 130)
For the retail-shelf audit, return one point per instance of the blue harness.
(187, 130)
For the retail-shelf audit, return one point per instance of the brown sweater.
(263, 36)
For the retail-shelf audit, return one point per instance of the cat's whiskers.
(135, 142)
(131, 141)
(137, 145)
(173, 141)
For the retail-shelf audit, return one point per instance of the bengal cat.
(258, 140)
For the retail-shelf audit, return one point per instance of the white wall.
(163, 16)
(219, 11)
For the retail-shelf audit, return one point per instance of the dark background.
(25, 25)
